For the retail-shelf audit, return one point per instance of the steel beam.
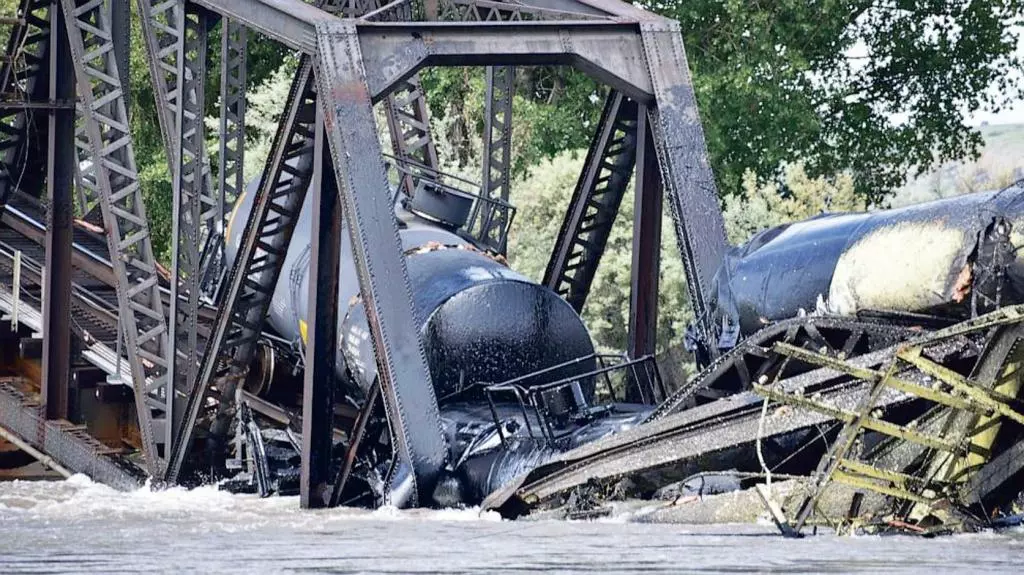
(191, 211)
(643, 295)
(686, 170)
(595, 203)
(167, 40)
(321, 349)
(611, 52)
(108, 172)
(488, 225)
(257, 266)
(60, 169)
(162, 23)
(233, 50)
(290, 22)
(121, 29)
(408, 393)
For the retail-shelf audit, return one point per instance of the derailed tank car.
(511, 362)
(951, 259)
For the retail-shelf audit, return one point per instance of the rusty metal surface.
(384, 280)
(71, 446)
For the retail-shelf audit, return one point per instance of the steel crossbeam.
(109, 174)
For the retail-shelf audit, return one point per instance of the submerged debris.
(901, 420)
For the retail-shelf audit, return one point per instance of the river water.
(79, 526)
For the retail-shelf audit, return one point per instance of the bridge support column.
(60, 170)
(643, 301)
(321, 349)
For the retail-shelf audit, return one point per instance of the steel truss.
(409, 126)
(195, 207)
(165, 34)
(108, 173)
(358, 53)
(231, 160)
(375, 58)
(489, 225)
(595, 202)
(233, 50)
(252, 280)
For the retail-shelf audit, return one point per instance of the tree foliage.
(880, 89)
(555, 109)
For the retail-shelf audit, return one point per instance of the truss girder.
(20, 74)
(234, 44)
(163, 25)
(489, 225)
(110, 174)
(195, 208)
(409, 126)
(412, 408)
(488, 11)
(480, 11)
(595, 202)
(253, 277)
(231, 157)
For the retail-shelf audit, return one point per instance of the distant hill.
(1001, 162)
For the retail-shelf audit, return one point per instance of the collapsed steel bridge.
(76, 259)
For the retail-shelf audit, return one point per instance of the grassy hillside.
(1001, 162)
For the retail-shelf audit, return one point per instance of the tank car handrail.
(533, 397)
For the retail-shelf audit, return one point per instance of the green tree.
(880, 89)
(555, 109)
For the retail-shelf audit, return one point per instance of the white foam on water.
(81, 526)
(80, 498)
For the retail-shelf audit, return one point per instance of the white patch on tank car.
(904, 267)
